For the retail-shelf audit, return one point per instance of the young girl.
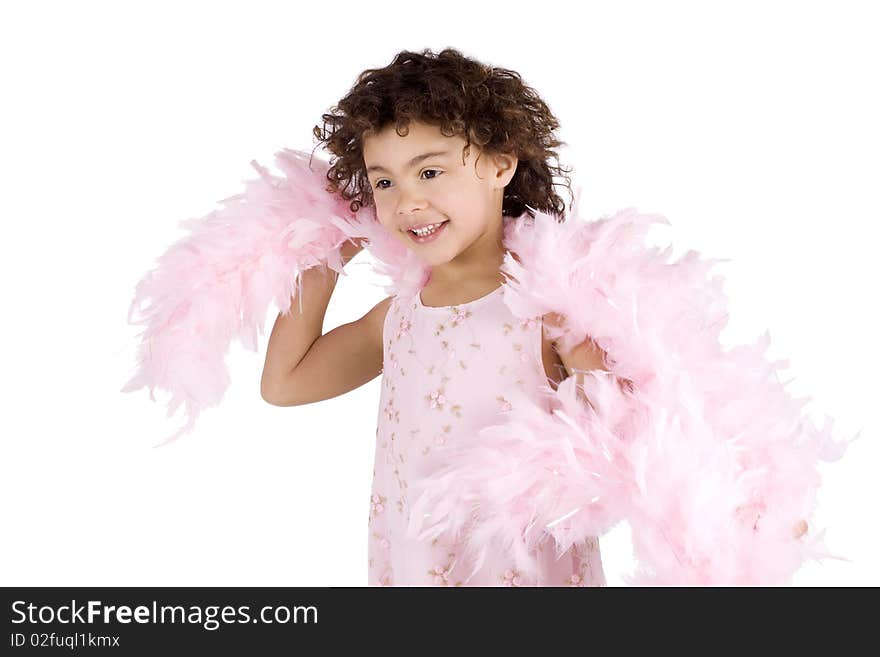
(539, 373)
(448, 352)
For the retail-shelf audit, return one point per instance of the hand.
(797, 531)
(350, 248)
(625, 384)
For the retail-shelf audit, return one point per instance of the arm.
(340, 361)
(582, 358)
(302, 365)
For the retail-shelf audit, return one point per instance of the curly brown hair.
(486, 105)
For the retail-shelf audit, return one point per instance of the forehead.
(415, 130)
(387, 148)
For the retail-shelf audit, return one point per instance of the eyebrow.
(413, 161)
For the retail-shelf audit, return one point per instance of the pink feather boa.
(216, 284)
(707, 457)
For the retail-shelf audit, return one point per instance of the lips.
(430, 237)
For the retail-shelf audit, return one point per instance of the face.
(464, 194)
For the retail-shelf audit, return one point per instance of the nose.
(409, 200)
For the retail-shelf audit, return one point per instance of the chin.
(428, 256)
(434, 260)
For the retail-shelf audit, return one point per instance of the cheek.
(385, 217)
(464, 198)
(393, 231)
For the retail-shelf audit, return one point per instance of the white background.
(752, 126)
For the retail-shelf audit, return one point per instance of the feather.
(707, 458)
(705, 455)
(216, 284)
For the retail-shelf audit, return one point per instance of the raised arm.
(302, 365)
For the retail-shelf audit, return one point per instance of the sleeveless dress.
(444, 372)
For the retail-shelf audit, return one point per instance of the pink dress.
(444, 373)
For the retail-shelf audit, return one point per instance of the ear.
(505, 168)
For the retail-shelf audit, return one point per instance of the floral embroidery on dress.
(450, 352)
(523, 354)
(459, 316)
(446, 372)
(441, 573)
(586, 556)
(511, 578)
(437, 399)
(440, 438)
(390, 412)
(378, 504)
(404, 327)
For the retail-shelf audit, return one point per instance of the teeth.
(427, 230)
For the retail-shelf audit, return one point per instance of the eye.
(381, 180)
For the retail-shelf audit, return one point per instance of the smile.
(427, 233)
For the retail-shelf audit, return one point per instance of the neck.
(481, 261)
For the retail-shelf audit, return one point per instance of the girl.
(536, 372)
(449, 351)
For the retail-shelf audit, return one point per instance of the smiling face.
(424, 179)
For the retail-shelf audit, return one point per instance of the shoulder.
(376, 315)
